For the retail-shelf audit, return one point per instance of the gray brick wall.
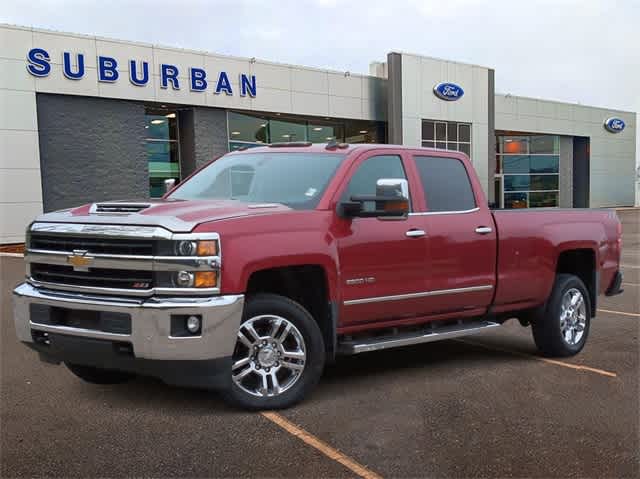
(210, 134)
(91, 149)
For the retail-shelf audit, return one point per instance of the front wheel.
(562, 328)
(278, 356)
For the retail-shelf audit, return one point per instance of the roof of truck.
(325, 148)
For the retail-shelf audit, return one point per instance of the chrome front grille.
(93, 245)
(114, 260)
(95, 277)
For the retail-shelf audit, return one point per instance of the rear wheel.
(562, 328)
(98, 375)
(278, 356)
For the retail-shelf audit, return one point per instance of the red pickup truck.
(269, 262)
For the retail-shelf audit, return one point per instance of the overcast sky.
(585, 51)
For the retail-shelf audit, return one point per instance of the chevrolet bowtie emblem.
(79, 260)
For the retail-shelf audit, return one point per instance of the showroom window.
(163, 151)
(250, 130)
(447, 135)
(527, 171)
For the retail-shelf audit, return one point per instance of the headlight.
(186, 248)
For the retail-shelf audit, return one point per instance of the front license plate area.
(104, 321)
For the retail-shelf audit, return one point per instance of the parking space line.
(631, 284)
(637, 315)
(632, 266)
(321, 446)
(579, 367)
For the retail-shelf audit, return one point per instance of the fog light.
(184, 279)
(193, 324)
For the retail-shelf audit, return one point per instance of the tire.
(284, 352)
(99, 376)
(561, 331)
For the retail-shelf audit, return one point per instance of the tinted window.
(294, 179)
(446, 184)
(363, 181)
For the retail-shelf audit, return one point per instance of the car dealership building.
(86, 119)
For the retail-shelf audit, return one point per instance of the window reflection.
(162, 147)
(447, 135)
(247, 130)
(529, 166)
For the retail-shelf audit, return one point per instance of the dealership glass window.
(249, 130)
(163, 151)
(447, 135)
(528, 169)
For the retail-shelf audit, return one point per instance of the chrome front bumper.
(150, 335)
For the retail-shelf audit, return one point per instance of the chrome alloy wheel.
(269, 356)
(573, 316)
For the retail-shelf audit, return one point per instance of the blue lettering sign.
(169, 73)
(448, 91)
(247, 85)
(133, 73)
(107, 69)
(614, 125)
(66, 67)
(224, 84)
(74, 68)
(39, 65)
(197, 76)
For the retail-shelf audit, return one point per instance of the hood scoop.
(118, 208)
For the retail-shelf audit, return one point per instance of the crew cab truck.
(267, 263)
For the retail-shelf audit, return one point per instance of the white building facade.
(86, 119)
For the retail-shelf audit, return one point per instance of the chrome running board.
(425, 335)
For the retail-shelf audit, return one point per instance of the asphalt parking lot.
(486, 406)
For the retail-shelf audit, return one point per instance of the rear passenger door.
(461, 241)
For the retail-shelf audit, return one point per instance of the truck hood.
(178, 216)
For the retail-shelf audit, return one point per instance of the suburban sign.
(614, 125)
(108, 70)
(448, 91)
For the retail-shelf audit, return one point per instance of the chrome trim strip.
(87, 333)
(112, 231)
(400, 297)
(130, 262)
(117, 231)
(430, 213)
(124, 292)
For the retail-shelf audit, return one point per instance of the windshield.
(294, 179)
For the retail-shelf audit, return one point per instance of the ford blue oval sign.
(448, 91)
(614, 125)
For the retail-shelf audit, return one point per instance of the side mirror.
(391, 200)
(169, 183)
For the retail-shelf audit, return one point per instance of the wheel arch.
(308, 285)
(581, 262)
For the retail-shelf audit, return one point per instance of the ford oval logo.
(448, 91)
(614, 125)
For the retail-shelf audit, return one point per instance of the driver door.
(382, 260)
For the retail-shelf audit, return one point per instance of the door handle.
(415, 233)
(483, 230)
